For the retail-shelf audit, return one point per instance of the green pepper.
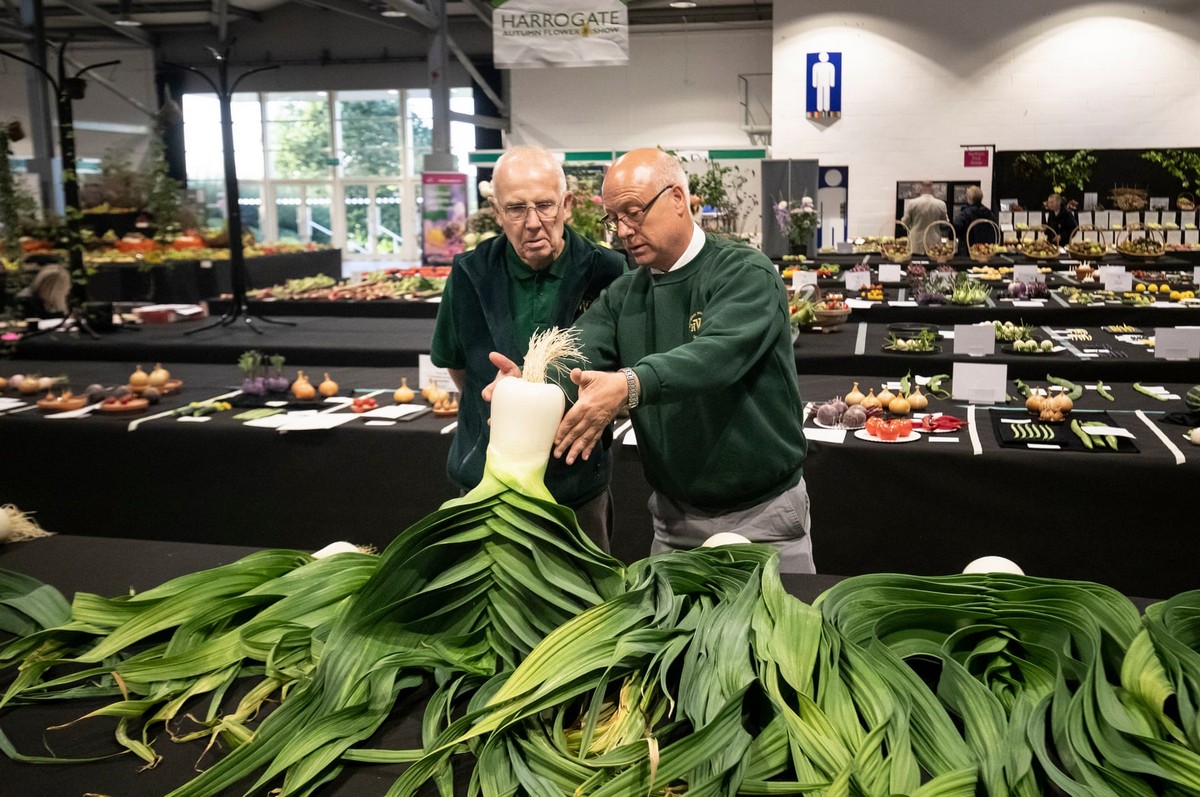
(1074, 391)
(1102, 391)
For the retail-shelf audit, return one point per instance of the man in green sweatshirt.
(537, 275)
(696, 344)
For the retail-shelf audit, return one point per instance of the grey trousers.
(782, 521)
(596, 519)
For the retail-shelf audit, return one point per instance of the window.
(298, 135)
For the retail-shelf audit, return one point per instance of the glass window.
(387, 202)
(298, 133)
(358, 234)
(320, 214)
(369, 133)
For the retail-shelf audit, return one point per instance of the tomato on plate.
(873, 424)
(889, 430)
(904, 425)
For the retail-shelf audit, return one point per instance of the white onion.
(994, 564)
(724, 538)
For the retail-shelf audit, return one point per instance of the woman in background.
(46, 296)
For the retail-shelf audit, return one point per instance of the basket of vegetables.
(897, 250)
(1087, 248)
(982, 251)
(810, 311)
(938, 247)
(1140, 243)
(1039, 248)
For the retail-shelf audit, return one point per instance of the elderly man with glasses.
(696, 344)
(538, 274)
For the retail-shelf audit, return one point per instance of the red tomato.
(905, 427)
(873, 424)
(889, 430)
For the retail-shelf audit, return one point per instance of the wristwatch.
(631, 382)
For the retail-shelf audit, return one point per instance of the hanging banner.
(443, 216)
(534, 33)
(975, 158)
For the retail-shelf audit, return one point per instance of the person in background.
(47, 295)
(695, 343)
(538, 274)
(972, 212)
(1060, 217)
(919, 213)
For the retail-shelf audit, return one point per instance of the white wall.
(679, 91)
(919, 79)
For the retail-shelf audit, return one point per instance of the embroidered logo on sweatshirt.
(694, 322)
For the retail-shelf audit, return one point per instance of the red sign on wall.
(975, 157)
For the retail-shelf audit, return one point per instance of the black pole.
(240, 306)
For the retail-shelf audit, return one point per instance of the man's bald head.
(523, 164)
(646, 194)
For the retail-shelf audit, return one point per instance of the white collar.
(693, 248)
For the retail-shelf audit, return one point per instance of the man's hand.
(506, 368)
(601, 394)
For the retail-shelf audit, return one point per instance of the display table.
(377, 308)
(923, 507)
(191, 281)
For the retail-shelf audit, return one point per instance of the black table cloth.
(922, 507)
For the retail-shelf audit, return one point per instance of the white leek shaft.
(525, 416)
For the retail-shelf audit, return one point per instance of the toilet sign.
(824, 85)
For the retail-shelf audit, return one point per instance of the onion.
(334, 548)
(139, 378)
(328, 388)
(159, 376)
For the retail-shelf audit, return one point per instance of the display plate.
(863, 434)
(1039, 353)
(934, 350)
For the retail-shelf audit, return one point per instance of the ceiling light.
(391, 12)
(681, 4)
(127, 22)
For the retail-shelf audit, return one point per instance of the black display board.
(1114, 167)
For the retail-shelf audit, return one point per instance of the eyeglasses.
(546, 211)
(634, 218)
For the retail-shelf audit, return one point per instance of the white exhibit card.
(1196, 275)
(1025, 274)
(801, 278)
(980, 383)
(857, 280)
(427, 371)
(891, 272)
(974, 340)
(1172, 343)
(1119, 281)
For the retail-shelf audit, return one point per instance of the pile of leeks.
(557, 671)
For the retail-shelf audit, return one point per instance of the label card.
(890, 272)
(857, 280)
(1025, 274)
(974, 340)
(1119, 281)
(1196, 275)
(802, 278)
(980, 383)
(427, 371)
(1171, 343)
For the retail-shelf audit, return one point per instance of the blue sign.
(823, 85)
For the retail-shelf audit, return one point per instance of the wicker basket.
(1039, 249)
(1185, 202)
(1130, 199)
(982, 252)
(897, 250)
(1078, 248)
(1146, 246)
(939, 249)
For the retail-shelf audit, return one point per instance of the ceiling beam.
(94, 77)
(482, 10)
(184, 7)
(492, 122)
(14, 31)
(492, 95)
(415, 12)
(352, 8)
(109, 21)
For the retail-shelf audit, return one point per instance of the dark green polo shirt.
(533, 293)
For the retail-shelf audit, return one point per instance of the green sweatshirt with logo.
(719, 423)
